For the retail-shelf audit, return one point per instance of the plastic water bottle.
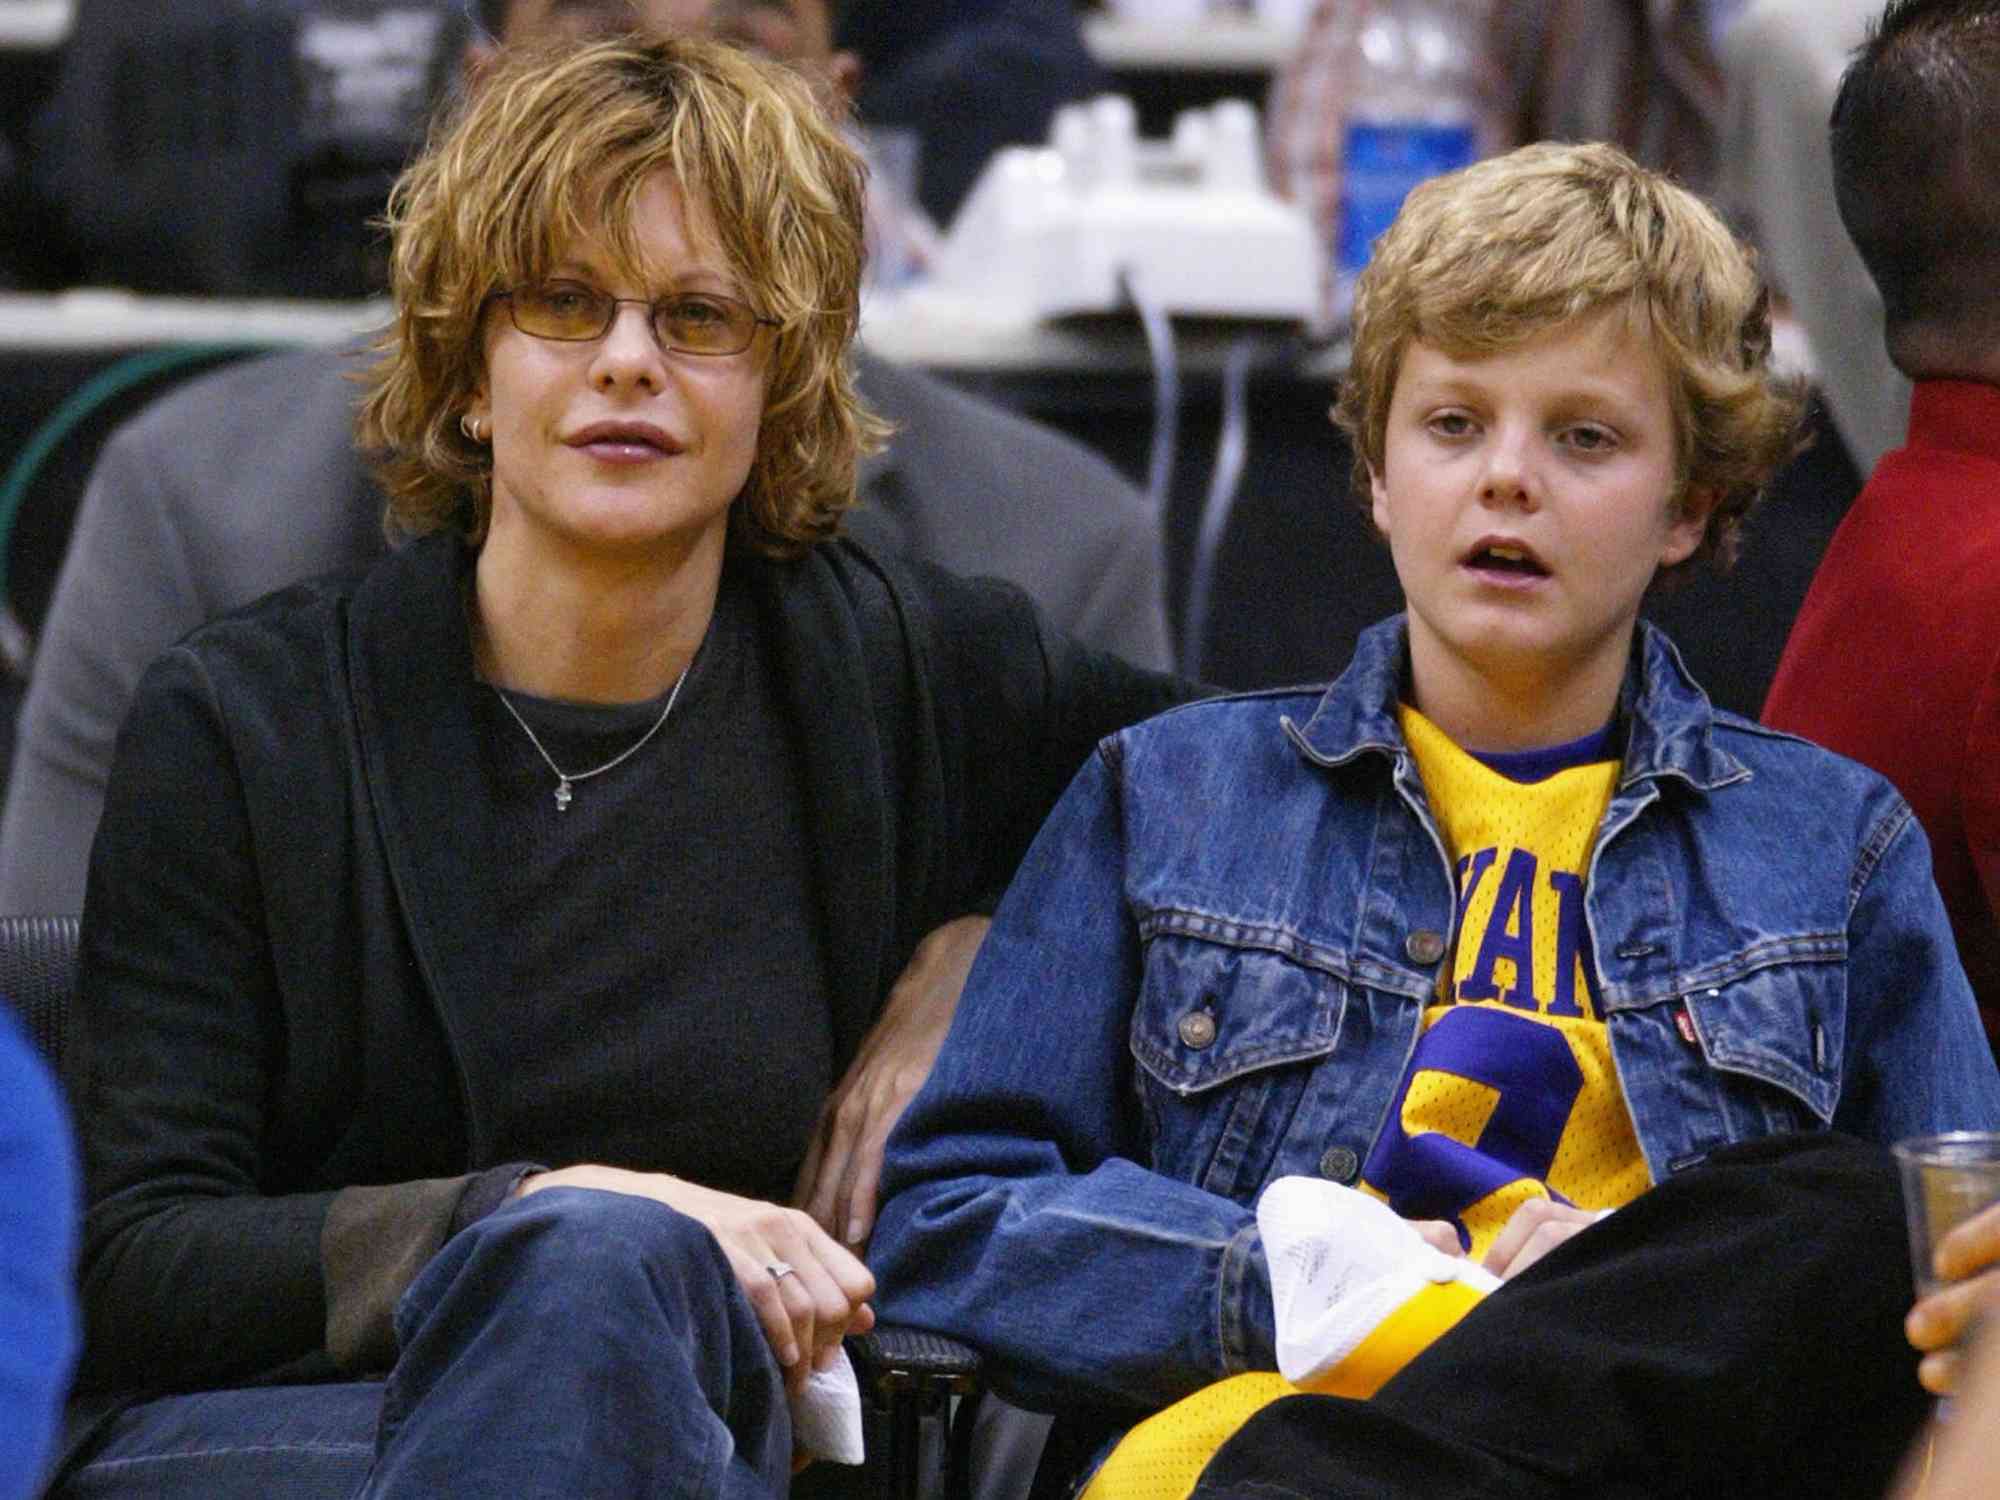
(1417, 108)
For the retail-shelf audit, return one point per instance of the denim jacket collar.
(1669, 720)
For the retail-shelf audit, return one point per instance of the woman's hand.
(841, 1178)
(1937, 1327)
(1534, 1229)
(805, 1313)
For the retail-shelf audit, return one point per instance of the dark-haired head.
(1916, 168)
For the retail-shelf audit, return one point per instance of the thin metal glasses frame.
(608, 306)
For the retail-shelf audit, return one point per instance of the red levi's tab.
(1684, 1023)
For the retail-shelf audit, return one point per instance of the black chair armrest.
(38, 974)
(919, 1393)
(892, 1358)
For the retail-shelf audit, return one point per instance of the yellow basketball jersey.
(1511, 1092)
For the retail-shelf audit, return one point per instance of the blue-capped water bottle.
(1417, 107)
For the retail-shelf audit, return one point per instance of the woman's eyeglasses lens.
(692, 323)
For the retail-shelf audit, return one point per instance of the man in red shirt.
(1895, 657)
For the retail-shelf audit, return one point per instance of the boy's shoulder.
(1751, 741)
(1805, 782)
(1254, 744)
(1688, 732)
(1330, 717)
(1246, 711)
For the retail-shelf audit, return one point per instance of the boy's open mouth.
(1499, 557)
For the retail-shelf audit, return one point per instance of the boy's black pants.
(1736, 1331)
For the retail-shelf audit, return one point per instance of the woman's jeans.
(573, 1344)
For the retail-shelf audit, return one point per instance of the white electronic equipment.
(1099, 220)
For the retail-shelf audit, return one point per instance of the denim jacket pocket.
(1782, 1024)
(1761, 1050)
(1223, 1030)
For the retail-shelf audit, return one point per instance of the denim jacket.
(1211, 970)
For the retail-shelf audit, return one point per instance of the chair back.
(38, 974)
(43, 483)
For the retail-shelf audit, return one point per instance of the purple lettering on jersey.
(1431, 1176)
(1572, 948)
(1510, 934)
(1471, 870)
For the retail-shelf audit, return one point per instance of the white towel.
(826, 1415)
(1340, 1263)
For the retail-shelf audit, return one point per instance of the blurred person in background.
(233, 147)
(967, 77)
(26, 256)
(1783, 60)
(1640, 74)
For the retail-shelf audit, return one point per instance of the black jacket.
(286, 925)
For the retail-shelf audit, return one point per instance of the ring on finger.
(779, 1269)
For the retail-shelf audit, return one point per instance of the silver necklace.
(567, 779)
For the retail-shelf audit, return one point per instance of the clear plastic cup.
(1946, 1180)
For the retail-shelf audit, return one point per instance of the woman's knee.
(570, 1247)
(587, 1223)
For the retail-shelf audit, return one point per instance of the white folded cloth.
(1340, 1263)
(826, 1414)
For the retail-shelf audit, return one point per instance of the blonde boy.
(1471, 959)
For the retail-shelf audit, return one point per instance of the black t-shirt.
(667, 1005)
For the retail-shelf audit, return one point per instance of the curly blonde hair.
(1485, 258)
(555, 147)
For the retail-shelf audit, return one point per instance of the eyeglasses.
(687, 322)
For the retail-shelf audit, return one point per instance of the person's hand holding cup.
(1951, 1195)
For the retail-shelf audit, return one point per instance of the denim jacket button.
(1424, 946)
(1339, 1164)
(1197, 1029)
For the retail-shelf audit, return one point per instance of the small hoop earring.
(472, 427)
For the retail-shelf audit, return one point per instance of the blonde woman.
(469, 948)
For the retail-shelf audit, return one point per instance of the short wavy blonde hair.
(1485, 258)
(555, 147)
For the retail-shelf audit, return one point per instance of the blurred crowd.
(241, 147)
(230, 147)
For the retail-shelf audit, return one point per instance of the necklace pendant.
(562, 795)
